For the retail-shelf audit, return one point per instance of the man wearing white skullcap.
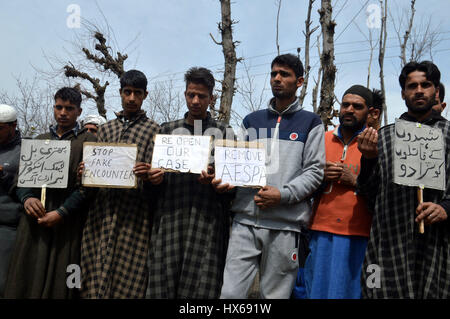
(10, 207)
(92, 122)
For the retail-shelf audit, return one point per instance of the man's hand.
(80, 171)
(50, 219)
(267, 197)
(206, 177)
(221, 188)
(156, 176)
(332, 171)
(367, 143)
(34, 208)
(339, 172)
(148, 174)
(430, 213)
(141, 170)
(347, 177)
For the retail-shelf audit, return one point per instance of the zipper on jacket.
(269, 158)
(274, 139)
(344, 152)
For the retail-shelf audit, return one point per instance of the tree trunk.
(278, 20)
(407, 33)
(229, 53)
(383, 36)
(308, 32)
(315, 90)
(327, 62)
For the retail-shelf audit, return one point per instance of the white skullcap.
(7, 114)
(94, 119)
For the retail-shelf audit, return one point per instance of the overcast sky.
(165, 38)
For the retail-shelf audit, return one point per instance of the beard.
(420, 109)
(281, 94)
(353, 126)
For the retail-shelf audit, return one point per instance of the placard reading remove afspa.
(109, 165)
(182, 153)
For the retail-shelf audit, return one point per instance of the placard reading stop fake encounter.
(240, 163)
(182, 153)
(109, 165)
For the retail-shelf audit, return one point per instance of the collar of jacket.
(122, 118)
(432, 119)
(15, 141)
(338, 133)
(53, 131)
(205, 121)
(293, 107)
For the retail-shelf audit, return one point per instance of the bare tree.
(416, 39)
(105, 61)
(307, 33)
(382, 50)
(278, 2)
(229, 53)
(424, 38)
(372, 45)
(164, 103)
(34, 106)
(327, 63)
(93, 62)
(317, 81)
(251, 96)
(407, 33)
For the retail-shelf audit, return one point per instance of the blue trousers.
(333, 267)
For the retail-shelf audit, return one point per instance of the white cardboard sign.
(240, 163)
(419, 157)
(109, 165)
(182, 153)
(44, 163)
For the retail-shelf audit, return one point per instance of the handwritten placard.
(182, 153)
(419, 158)
(109, 165)
(240, 163)
(44, 162)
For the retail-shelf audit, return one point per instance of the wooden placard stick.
(43, 194)
(420, 199)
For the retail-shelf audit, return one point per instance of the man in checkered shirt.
(117, 232)
(191, 223)
(400, 262)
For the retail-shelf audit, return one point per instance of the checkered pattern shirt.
(190, 233)
(412, 265)
(116, 236)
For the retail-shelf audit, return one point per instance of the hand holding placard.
(419, 159)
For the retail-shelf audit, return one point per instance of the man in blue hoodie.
(267, 222)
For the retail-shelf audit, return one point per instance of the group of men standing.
(170, 236)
